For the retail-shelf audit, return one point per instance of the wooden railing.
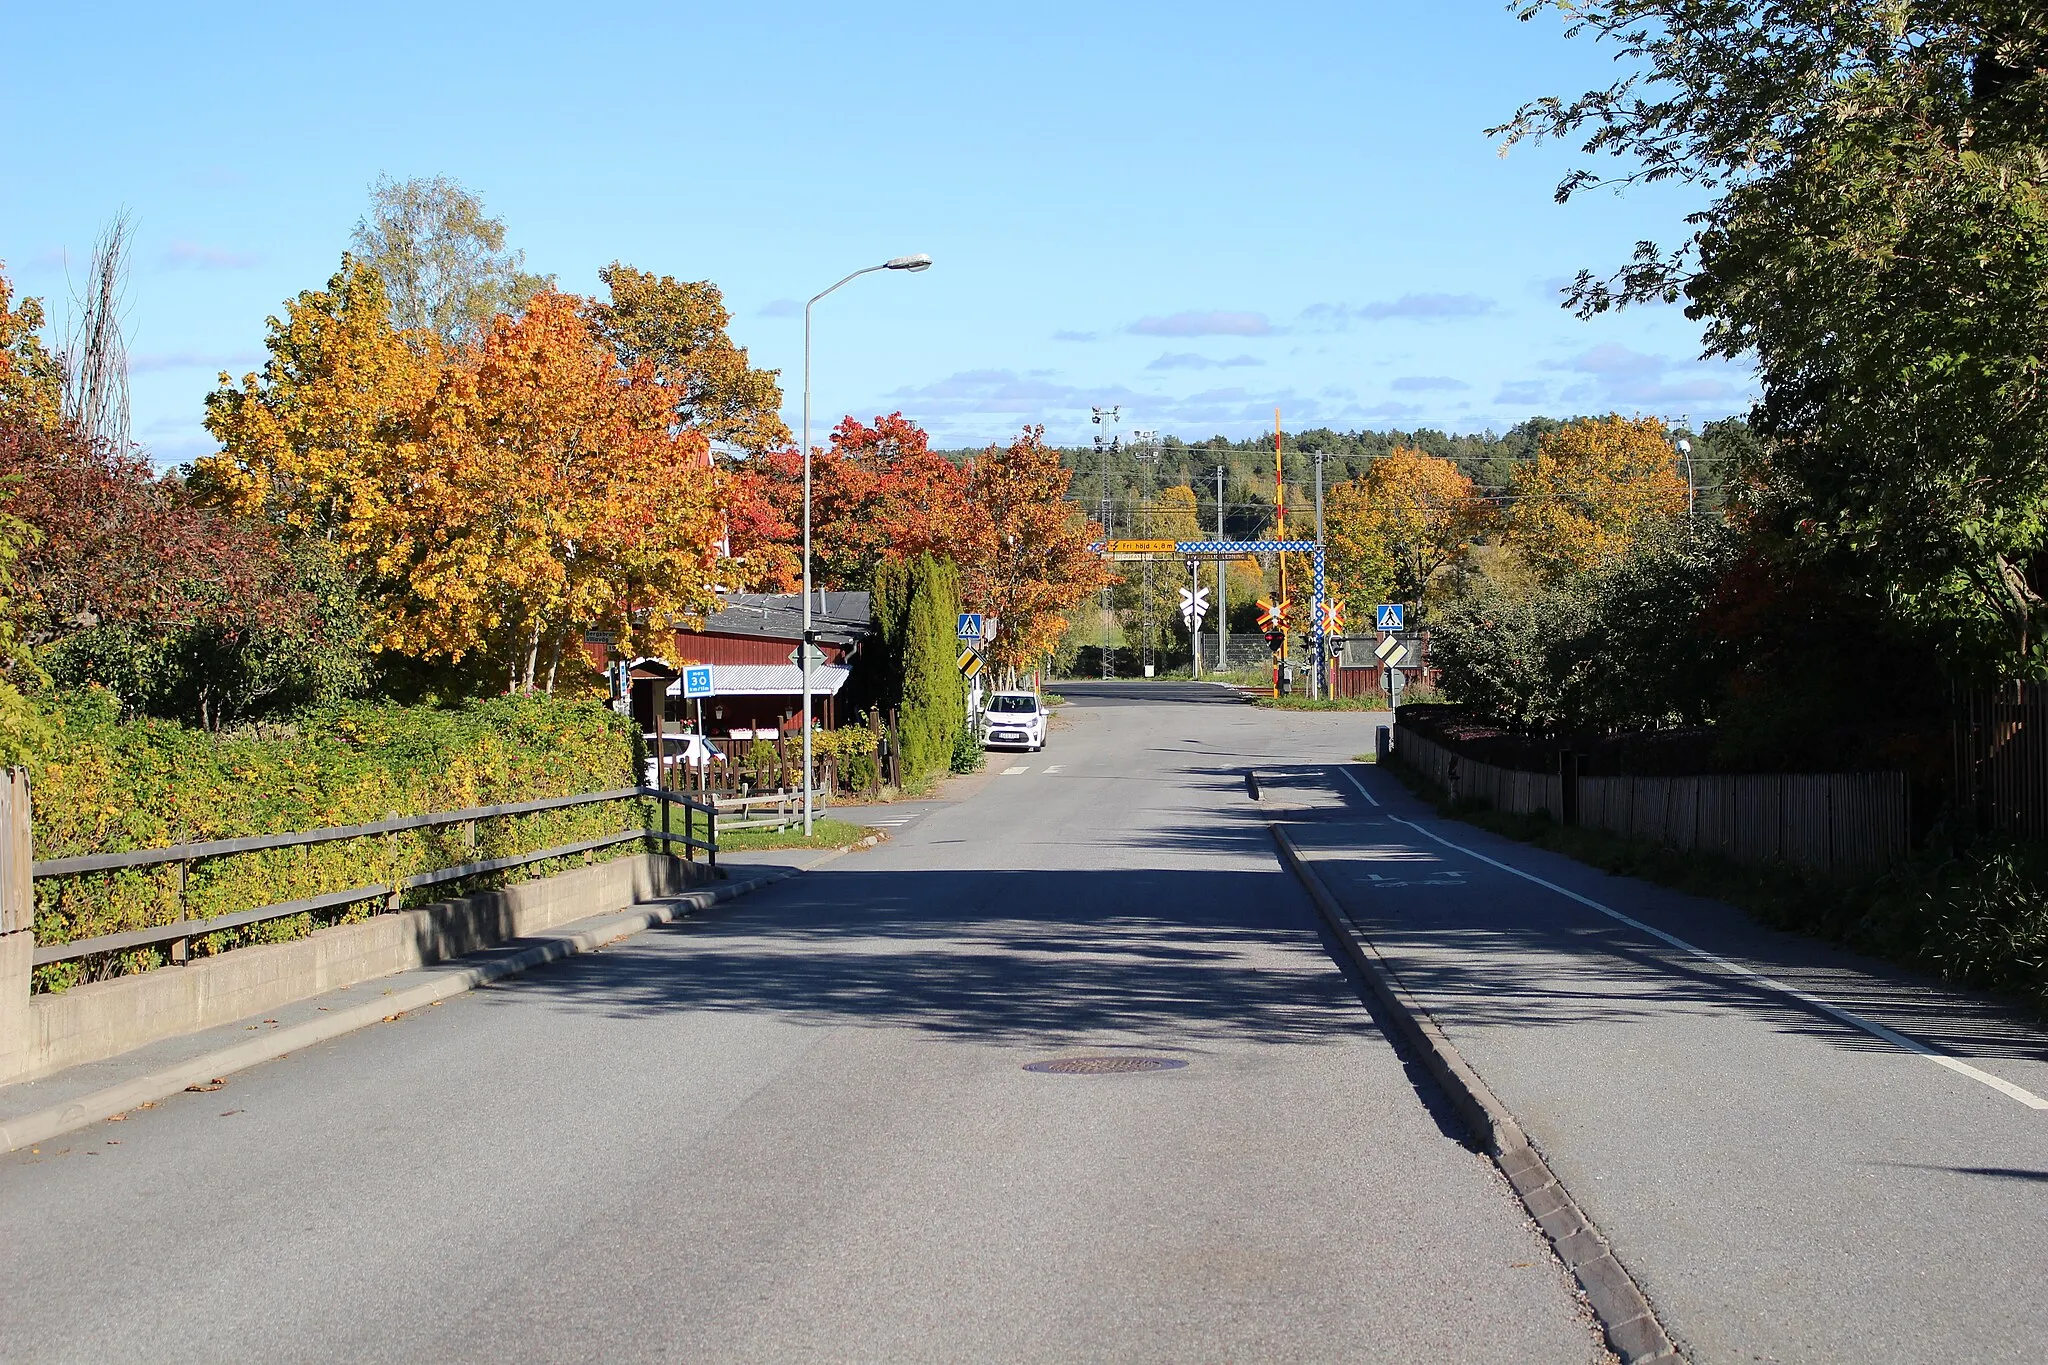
(178, 935)
(1852, 824)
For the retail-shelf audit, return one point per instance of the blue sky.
(1197, 211)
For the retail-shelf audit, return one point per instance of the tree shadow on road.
(1174, 955)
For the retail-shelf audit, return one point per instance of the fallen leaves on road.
(216, 1083)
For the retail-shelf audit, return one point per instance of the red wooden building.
(757, 689)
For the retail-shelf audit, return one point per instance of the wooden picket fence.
(1849, 824)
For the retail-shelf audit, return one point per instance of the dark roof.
(837, 616)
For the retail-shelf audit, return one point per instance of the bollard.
(1382, 742)
(1251, 784)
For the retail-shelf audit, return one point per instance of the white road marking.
(1875, 1030)
(1360, 785)
(1054, 768)
(1012, 772)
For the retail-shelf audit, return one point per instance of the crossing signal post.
(1273, 621)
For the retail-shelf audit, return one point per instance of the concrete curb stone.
(71, 1115)
(1633, 1330)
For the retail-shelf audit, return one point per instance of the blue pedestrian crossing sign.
(697, 681)
(970, 625)
(1388, 617)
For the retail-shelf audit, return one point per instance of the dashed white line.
(1875, 1030)
(1053, 768)
(1012, 772)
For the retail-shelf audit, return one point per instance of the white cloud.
(1616, 376)
(1214, 323)
(1338, 317)
(1188, 360)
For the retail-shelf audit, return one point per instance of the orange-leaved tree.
(547, 492)
(1595, 485)
(1029, 562)
(1395, 527)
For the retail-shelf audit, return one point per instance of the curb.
(1631, 1325)
(71, 1115)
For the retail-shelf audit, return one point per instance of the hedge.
(109, 785)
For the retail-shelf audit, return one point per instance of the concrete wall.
(89, 1023)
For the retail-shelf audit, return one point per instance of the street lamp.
(913, 264)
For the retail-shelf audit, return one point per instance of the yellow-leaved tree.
(31, 382)
(340, 392)
(1595, 485)
(1394, 528)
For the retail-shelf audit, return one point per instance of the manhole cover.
(1105, 1066)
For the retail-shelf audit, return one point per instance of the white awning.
(770, 680)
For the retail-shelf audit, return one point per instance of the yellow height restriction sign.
(970, 663)
(1142, 547)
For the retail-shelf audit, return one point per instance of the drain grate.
(1105, 1066)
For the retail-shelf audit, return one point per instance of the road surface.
(800, 1128)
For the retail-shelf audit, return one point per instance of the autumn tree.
(1031, 563)
(679, 327)
(544, 492)
(341, 389)
(496, 502)
(1394, 528)
(879, 493)
(31, 381)
(442, 259)
(1594, 486)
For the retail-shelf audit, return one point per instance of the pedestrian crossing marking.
(1053, 769)
(1012, 772)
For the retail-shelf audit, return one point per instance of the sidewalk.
(1798, 1153)
(38, 1110)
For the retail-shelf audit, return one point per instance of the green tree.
(442, 258)
(1877, 242)
(915, 603)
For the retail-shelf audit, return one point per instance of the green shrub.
(110, 786)
(915, 604)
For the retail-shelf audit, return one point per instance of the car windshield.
(1012, 706)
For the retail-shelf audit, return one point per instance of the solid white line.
(1875, 1030)
(1012, 772)
(1360, 785)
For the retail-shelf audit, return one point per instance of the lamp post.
(803, 648)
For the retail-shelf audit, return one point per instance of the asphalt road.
(1785, 1185)
(800, 1128)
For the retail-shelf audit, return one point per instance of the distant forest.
(1135, 474)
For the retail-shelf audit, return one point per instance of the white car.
(1013, 720)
